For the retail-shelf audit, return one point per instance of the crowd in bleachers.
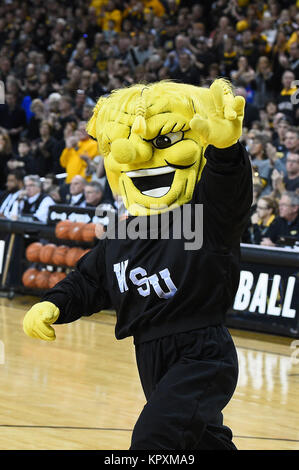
(57, 58)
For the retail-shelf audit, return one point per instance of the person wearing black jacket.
(34, 203)
(286, 226)
(75, 192)
(24, 159)
(186, 71)
(172, 285)
(12, 118)
(261, 220)
(47, 151)
(14, 185)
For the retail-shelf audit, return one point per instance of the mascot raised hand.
(168, 149)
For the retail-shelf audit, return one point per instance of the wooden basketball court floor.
(82, 391)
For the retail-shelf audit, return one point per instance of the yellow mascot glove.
(220, 117)
(38, 319)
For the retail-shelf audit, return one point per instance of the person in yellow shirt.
(79, 147)
(98, 5)
(110, 12)
(266, 212)
(294, 38)
(155, 5)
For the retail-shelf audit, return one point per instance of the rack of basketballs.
(49, 263)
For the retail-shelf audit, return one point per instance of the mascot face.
(152, 157)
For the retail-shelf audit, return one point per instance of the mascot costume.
(168, 146)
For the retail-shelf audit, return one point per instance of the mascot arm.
(226, 189)
(226, 183)
(81, 293)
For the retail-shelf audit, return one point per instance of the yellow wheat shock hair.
(153, 138)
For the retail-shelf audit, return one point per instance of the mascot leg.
(187, 379)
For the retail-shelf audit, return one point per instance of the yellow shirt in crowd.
(71, 161)
(117, 16)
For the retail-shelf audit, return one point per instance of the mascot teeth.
(157, 192)
(150, 172)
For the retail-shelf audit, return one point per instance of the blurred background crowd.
(57, 58)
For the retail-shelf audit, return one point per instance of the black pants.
(187, 379)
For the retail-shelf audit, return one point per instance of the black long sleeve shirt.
(157, 286)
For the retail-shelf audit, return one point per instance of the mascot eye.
(166, 140)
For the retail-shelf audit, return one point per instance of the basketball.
(80, 253)
(88, 232)
(55, 278)
(75, 231)
(72, 256)
(62, 229)
(46, 253)
(59, 255)
(29, 278)
(33, 251)
(42, 279)
(86, 251)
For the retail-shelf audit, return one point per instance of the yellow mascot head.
(153, 153)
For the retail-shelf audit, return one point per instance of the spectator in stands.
(281, 126)
(251, 113)
(263, 84)
(46, 151)
(109, 12)
(80, 100)
(219, 33)
(87, 111)
(12, 118)
(293, 59)
(23, 158)
(290, 181)
(203, 54)
(265, 161)
(286, 104)
(257, 188)
(140, 53)
(14, 186)
(5, 155)
(228, 56)
(78, 147)
(291, 142)
(46, 86)
(49, 181)
(156, 6)
(93, 193)
(38, 110)
(287, 224)
(54, 193)
(66, 111)
(266, 211)
(270, 112)
(257, 149)
(76, 196)
(244, 74)
(181, 47)
(33, 203)
(186, 70)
